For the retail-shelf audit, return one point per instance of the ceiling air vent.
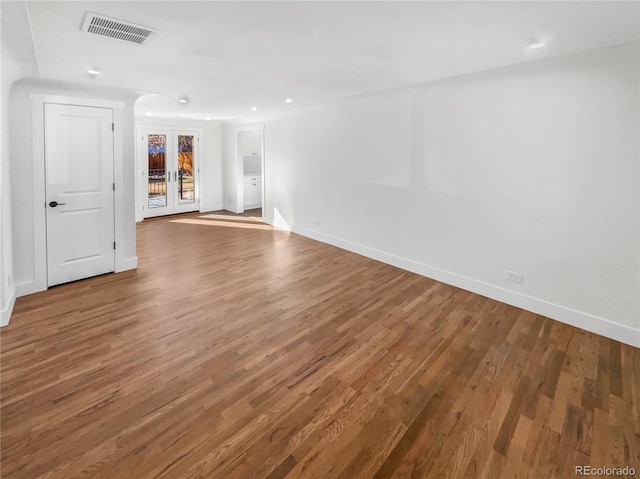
(112, 28)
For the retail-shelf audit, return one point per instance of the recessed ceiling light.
(208, 118)
(254, 108)
(93, 71)
(288, 100)
(182, 100)
(149, 113)
(536, 45)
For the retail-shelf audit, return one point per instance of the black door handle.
(53, 204)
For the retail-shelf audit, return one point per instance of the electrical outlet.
(514, 277)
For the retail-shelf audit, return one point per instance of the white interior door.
(79, 192)
(171, 171)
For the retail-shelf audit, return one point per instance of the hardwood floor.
(236, 351)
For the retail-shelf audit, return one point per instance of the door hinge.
(114, 187)
(113, 128)
(114, 245)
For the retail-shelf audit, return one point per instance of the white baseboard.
(208, 208)
(5, 312)
(29, 287)
(604, 327)
(280, 226)
(127, 264)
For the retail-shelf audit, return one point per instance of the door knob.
(53, 204)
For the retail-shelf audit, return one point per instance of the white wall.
(531, 168)
(211, 172)
(18, 61)
(28, 222)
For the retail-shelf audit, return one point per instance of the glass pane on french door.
(157, 164)
(186, 177)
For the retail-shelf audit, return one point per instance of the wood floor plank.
(237, 351)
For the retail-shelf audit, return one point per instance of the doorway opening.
(250, 170)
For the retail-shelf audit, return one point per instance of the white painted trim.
(239, 207)
(39, 199)
(127, 263)
(263, 176)
(118, 178)
(619, 332)
(5, 313)
(233, 211)
(209, 207)
(28, 287)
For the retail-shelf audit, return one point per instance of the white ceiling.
(229, 56)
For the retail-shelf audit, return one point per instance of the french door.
(171, 171)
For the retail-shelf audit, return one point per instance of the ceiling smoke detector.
(112, 28)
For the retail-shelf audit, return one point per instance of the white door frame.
(141, 160)
(38, 101)
(240, 168)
